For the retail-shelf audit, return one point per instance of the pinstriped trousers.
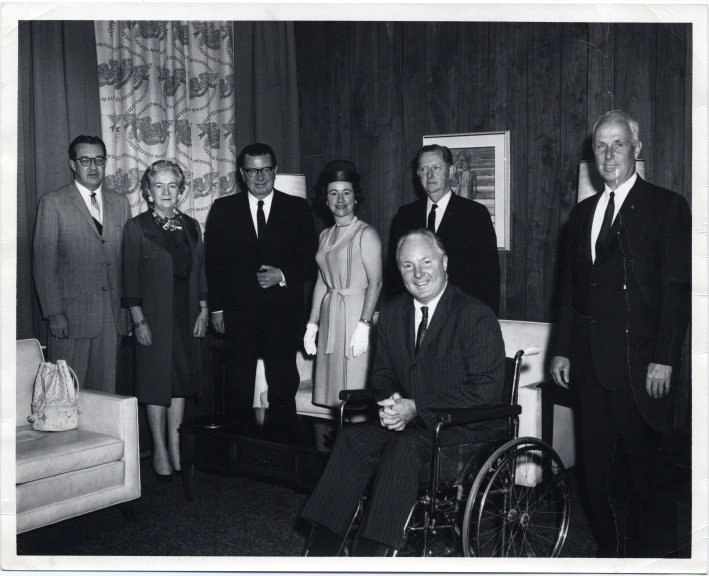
(93, 359)
(361, 452)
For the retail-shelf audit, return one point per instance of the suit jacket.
(234, 255)
(147, 282)
(631, 307)
(461, 361)
(73, 263)
(470, 241)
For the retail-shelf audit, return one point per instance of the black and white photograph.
(298, 287)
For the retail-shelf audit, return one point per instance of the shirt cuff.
(283, 280)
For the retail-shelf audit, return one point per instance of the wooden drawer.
(265, 459)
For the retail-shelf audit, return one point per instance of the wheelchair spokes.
(521, 506)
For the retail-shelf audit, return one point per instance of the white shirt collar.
(622, 191)
(266, 201)
(85, 192)
(442, 203)
(432, 305)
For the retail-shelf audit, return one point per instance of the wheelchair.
(504, 498)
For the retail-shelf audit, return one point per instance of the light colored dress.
(342, 271)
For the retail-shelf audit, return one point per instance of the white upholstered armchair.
(60, 475)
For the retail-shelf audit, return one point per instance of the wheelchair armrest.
(357, 395)
(460, 416)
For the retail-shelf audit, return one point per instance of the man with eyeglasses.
(78, 236)
(464, 226)
(259, 249)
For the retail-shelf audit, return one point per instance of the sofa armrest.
(107, 413)
(116, 416)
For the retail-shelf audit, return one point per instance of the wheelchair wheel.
(519, 504)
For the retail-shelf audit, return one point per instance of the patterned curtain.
(167, 92)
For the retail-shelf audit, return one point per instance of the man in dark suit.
(624, 313)
(464, 226)
(437, 347)
(260, 248)
(78, 237)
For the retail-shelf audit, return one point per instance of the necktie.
(432, 218)
(97, 215)
(605, 227)
(423, 326)
(260, 221)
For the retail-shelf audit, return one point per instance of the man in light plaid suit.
(77, 244)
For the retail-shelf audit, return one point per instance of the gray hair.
(625, 117)
(424, 233)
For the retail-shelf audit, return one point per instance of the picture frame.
(482, 161)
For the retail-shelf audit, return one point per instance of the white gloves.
(309, 338)
(360, 339)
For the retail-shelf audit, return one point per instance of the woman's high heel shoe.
(164, 478)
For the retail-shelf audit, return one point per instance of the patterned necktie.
(605, 227)
(260, 220)
(97, 216)
(432, 218)
(423, 326)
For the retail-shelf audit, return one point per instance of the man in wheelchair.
(437, 347)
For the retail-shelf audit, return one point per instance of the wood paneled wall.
(369, 91)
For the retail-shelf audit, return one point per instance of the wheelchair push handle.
(531, 351)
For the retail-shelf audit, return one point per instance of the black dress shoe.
(323, 542)
(164, 478)
(370, 548)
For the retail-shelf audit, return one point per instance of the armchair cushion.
(45, 454)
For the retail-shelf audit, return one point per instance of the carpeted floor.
(230, 516)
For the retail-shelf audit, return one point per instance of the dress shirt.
(253, 206)
(431, 309)
(86, 195)
(440, 211)
(621, 193)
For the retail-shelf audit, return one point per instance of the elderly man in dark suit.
(437, 347)
(77, 243)
(464, 226)
(624, 313)
(259, 249)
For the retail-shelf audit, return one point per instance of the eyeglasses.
(86, 161)
(252, 172)
(423, 170)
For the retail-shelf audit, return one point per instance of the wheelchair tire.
(519, 504)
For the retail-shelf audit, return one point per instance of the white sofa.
(517, 335)
(60, 475)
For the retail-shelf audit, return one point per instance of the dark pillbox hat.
(339, 171)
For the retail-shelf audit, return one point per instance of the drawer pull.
(263, 460)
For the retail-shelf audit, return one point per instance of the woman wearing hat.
(347, 290)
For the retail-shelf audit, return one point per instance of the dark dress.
(182, 371)
(163, 273)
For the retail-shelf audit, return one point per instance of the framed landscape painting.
(482, 174)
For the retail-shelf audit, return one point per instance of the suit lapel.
(439, 318)
(151, 230)
(190, 232)
(247, 220)
(407, 322)
(80, 205)
(107, 208)
(448, 220)
(587, 227)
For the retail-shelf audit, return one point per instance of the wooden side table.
(299, 458)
